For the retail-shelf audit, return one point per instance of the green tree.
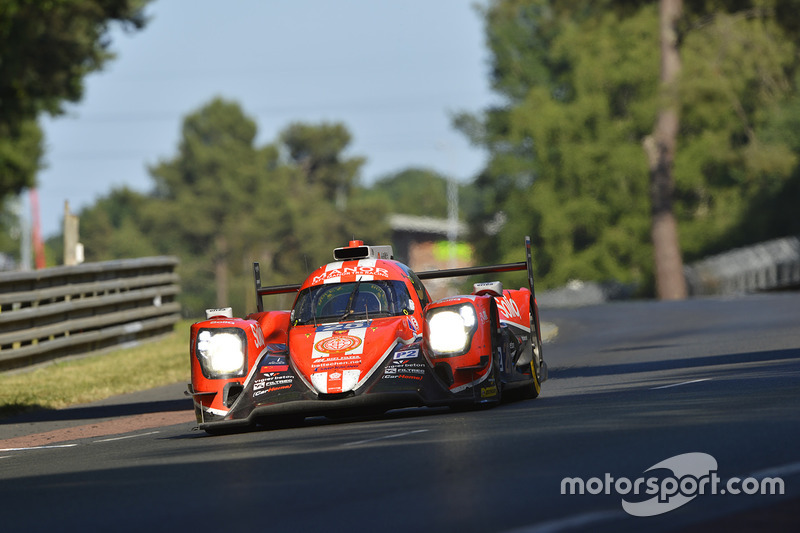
(325, 203)
(773, 210)
(737, 74)
(580, 88)
(317, 152)
(46, 49)
(414, 191)
(21, 153)
(566, 166)
(20, 159)
(222, 203)
(116, 227)
(214, 194)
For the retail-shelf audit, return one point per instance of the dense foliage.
(580, 91)
(46, 50)
(222, 202)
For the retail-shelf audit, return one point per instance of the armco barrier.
(73, 310)
(770, 265)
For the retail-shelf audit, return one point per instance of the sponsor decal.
(271, 368)
(404, 369)
(276, 349)
(413, 325)
(402, 376)
(489, 392)
(274, 379)
(274, 364)
(270, 383)
(343, 326)
(258, 335)
(507, 307)
(338, 343)
(405, 354)
(357, 270)
(337, 363)
(455, 299)
(272, 389)
(406, 364)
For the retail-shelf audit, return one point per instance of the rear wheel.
(532, 391)
(537, 360)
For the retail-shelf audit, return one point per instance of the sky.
(392, 71)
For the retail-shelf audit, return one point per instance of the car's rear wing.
(506, 267)
(266, 291)
(472, 271)
(431, 274)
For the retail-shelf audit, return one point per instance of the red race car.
(363, 336)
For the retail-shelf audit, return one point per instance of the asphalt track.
(632, 384)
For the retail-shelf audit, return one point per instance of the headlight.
(221, 352)
(451, 328)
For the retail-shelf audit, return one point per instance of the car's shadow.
(36, 413)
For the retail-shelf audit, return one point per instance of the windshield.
(336, 302)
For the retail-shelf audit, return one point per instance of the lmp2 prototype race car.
(363, 336)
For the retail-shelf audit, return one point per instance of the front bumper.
(353, 405)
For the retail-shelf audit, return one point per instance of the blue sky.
(393, 72)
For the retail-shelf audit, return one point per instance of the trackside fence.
(68, 311)
(771, 265)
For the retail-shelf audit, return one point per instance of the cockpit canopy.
(358, 300)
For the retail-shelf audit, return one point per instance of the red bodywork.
(292, 364)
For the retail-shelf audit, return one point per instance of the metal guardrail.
(770, 265)
(67, 311)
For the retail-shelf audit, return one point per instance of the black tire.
(533, 389)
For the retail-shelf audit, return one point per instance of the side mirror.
(410, 307)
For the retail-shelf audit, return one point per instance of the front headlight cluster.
(450, 329)
(222, 352)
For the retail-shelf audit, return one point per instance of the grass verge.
(150, 364)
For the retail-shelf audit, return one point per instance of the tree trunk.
(660, 149)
